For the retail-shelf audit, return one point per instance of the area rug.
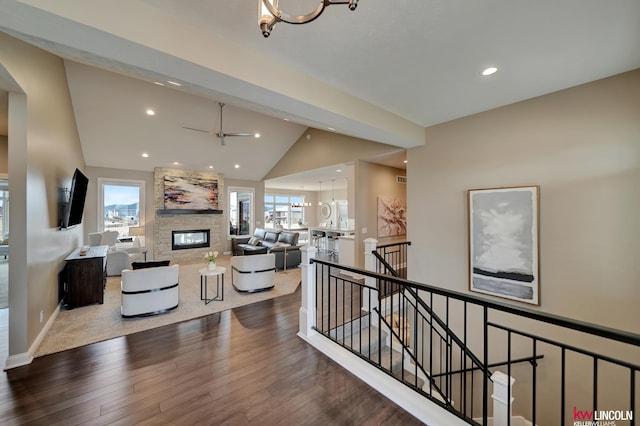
(90, 324)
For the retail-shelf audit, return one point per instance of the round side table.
(219, 274)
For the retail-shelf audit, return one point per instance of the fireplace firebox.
(182, 240)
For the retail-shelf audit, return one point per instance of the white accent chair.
(117, 259)
(253, 273)
(149, 291)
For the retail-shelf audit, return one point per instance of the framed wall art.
(190, 193)
(392, 216)
(503, 243)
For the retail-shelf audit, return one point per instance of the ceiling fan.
(221, 134)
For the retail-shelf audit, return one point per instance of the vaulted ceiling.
(383, 72)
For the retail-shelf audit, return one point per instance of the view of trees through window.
(121, 206)
(278, 211)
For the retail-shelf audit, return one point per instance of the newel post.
(308, 306)
(502, 388)
(368, 302)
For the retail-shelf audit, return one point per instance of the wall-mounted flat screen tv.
(77, 195)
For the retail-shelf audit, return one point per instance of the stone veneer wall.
(164, 224)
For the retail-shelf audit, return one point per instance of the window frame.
(119, 182)
(252, 208)
(273, 203)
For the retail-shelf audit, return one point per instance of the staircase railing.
(343, 302)
(420, 315)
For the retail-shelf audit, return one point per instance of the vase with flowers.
(211, 257)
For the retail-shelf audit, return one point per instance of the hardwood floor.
(244, 366)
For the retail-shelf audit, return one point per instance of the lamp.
(320, 200)
(136, 231)
(269, 14)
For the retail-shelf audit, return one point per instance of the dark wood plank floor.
(244, 366)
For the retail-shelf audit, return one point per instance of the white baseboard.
(25, 358)
(418, 406)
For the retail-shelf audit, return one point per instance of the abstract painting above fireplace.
(190, 193)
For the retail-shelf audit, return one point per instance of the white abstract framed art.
(504, 242)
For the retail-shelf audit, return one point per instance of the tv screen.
(77, 195)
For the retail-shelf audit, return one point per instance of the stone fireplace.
(187, 226)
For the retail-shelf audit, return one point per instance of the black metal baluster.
(485, 379)
(595, 383)
(535, 380)
(508, 378)
(563, 384)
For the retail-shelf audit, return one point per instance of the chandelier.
(269, 14)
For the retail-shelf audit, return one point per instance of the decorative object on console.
(269, 14)
(503, 242)
(392, 216)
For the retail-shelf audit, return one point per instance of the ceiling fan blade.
(239, 134)
(198, 130)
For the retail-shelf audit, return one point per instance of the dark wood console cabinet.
(86, 276)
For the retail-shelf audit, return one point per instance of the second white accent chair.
(117, 259)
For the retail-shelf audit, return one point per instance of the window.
(279, 211)
(121, 205)
(240, 211)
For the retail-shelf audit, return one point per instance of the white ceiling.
(383, 72)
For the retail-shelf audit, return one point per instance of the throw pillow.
(254, 241)
(143, 265)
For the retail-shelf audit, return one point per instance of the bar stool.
(318, 239)
(332, 243)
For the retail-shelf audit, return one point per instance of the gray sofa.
(270, 241)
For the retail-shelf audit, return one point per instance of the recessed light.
(175, 83)
(257, 135)
(405, 161)
(331, 128)
(489, 71)
(237, 166)
(158, 83)
(175, 163)
(285, 119)
(211, 167)
(339, 170)
(150, 112)
(145, 155)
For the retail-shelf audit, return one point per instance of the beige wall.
(324, 149)
(44, 150)
(373, 180)
(4, 154)
(582, 146)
